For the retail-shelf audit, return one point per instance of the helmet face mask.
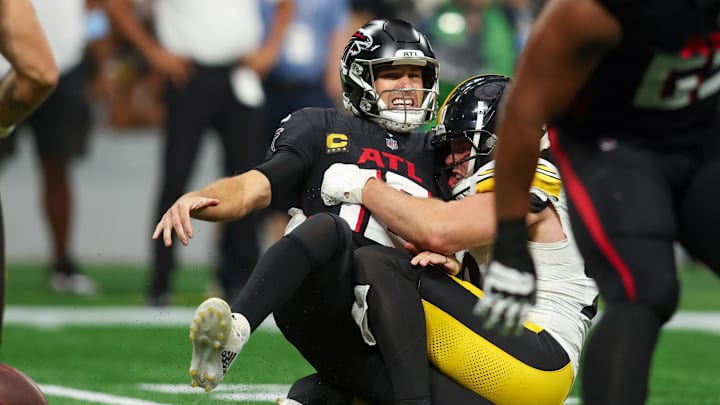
(465, 136)
(407, 117)
(379, 44)
(464, 153)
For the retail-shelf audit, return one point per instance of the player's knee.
(367, 261)
(665, 308)
(318, 229)
(702, 248)
(312, 389)
(662, 299)
(620, 317)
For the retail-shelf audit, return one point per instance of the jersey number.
(672, 82)
(376, 229)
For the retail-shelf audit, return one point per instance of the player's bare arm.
(569, 38)
(568, 41)
(545, 226)
(430, 223)
(225, 199)
(34, 74)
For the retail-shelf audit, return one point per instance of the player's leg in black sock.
(286, 265)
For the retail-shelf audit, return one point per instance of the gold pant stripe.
(482, 367)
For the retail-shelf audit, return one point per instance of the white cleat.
(287, 401)
(217, 336)
(76, 283)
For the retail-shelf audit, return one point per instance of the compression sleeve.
(284, 170)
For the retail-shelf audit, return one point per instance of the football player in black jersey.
(631, 91)
(390, 78)
(539, 365)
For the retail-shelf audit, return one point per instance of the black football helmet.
(466, 122)
(466, 126)
(391, 42)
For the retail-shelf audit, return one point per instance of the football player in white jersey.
(538, 363)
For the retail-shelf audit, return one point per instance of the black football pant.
(313, 390)
(305, 280)
(206, 103)
(628, 207)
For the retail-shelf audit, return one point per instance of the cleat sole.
(208, 338)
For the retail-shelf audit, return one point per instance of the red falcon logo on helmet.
(359, 42)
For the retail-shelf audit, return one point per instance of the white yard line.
(227, 392)
(52, 317)
(93, 397)
(246, 392)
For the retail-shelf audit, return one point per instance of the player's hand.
(448, 264)
(177, 218)
(509, 284)
(343, 183)
(176, 68)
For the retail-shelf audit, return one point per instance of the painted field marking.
(54, 317)
(226, 392)
(245, 392)
(94, 397)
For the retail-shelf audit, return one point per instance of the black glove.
(539, 200)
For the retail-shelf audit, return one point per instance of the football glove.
(539, 200)
(343, 183)
(297, 217)
(509, 284)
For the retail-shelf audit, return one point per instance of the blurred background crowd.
(144, 83)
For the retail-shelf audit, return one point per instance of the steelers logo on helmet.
(465, 134)
(379, 44)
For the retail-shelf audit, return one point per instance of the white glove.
(509, 283)
(509, 296)
(297, 217)
(343, 183)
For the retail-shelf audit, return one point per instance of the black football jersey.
(321, 137)
(662, 83)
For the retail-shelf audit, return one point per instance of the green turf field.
(109, 350)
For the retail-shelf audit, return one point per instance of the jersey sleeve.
(546, 181)
(292, 152)
(297, 134)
